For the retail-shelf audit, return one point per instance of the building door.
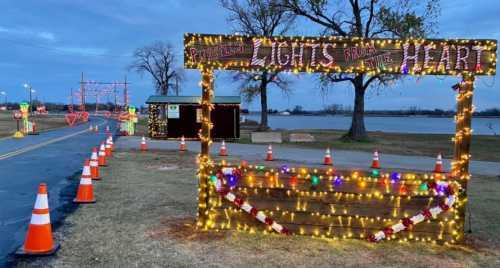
(185, 125)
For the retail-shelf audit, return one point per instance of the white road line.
(33, 147)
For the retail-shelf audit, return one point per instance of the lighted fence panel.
(342, 205)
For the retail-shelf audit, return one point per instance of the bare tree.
(159, 61)
(366, 19)
(259, 18)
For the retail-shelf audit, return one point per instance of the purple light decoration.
(395, 177)
(284, 169)
(440, 189)
(232, 181)
(337, 182)
(404, 69)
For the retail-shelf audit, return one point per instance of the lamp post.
(30, 91)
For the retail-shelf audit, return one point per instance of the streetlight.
(30, 90)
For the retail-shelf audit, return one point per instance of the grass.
(8, 124)
(146, 207)
(482, 148)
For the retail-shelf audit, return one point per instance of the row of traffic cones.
(438, 168)
(95, 128)
(326, 161)
(39, 241)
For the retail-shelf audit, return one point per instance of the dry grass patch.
(44, 122)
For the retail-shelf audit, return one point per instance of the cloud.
(47, 36)
(28, 33)
(82, 51)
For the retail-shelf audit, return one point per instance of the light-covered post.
(204, 157)
(463, 135)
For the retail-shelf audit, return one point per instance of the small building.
(177, 116)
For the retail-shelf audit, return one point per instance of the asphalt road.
(54, 157)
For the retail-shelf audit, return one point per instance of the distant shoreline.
(371, 115)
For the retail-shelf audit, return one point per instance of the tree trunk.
(357, 132)
(164, 92)
(263, 103)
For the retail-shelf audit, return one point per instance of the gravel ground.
(146, 207)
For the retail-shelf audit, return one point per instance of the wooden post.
(463, 135)
(151, 120)
(204, 158)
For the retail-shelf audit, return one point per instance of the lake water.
(411, 124)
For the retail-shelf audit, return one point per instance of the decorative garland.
(406, 223)
(240, 203)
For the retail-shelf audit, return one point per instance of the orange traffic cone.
(91, 128)
(439, 164)
(183, 146)
(143, 146)
(85, 193)
(110, 139)
(328, 158)
(94, 165)
(269, 156)
(107, 149)
(102, 156)
(39, 236)
(223, 150)
(34, 130)
(375, 162)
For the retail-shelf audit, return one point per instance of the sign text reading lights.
(340, 55)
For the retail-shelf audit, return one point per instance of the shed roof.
(192, 99)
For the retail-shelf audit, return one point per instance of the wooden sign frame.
(462, 57)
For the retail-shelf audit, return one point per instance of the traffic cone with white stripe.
(107, 149)
(223, 150)
(94, 165)
(269, 155)
(85, 193)
(39, 240)
(96, 128)
(375, 162)
(183, 146)
(110, 139)
(91, 128)
(438, 168)
(102, 155)
(328, 158)
(143, 146)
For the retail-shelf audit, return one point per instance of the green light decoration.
(375, 172)
(423, 187)
(132, 119)
(314, 180)
(213, 178)
(260, 167)
(24, 107)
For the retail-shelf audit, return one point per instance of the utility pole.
(96, 103)
(82, 92)
(125, 94)
(114, 92)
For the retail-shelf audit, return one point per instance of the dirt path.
(144, 216)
